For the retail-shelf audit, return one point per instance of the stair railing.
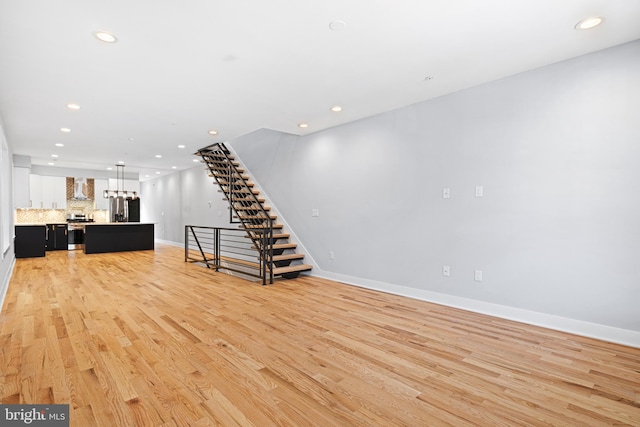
(222, 249)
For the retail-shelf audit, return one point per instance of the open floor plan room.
(145, 339)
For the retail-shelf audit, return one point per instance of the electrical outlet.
(478, 275)
(446, 271)
(479, 191)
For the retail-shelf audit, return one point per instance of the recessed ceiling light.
(336, 108)
(65, 130)
(303, 125)
(54, 156)
(196, 160)
(181, 146)
(106, 37)
(589, 23)
(109, 169)
(59, 145)
(213, 132)
(131, 139)
(73, 106)
(174, 167)
(51, 164)
(146, 176)
(158, 156)
(157, 173)
(121, 162)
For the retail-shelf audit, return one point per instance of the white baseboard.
(170, 243)
(5, 282)
(559, 323)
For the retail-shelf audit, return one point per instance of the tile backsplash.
(44, 216)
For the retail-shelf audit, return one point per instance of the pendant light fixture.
(119, 180)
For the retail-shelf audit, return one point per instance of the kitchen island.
(118, 237)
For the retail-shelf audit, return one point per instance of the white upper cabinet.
(35, 190)
(54, 192)
(48, 192)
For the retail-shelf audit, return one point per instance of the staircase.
(276, 256)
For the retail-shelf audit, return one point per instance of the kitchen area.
(79, 214)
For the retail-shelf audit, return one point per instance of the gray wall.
(185, 198)
(557, 232)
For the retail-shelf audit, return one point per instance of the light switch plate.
(446, 271)
(478, 276)
(446, 193)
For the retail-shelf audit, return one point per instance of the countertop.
(117, 223)
(80, 223)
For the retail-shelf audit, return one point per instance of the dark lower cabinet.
(30, 241)
(57, 238)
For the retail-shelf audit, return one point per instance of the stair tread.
(278, 246)
(245, 199)
(287, 257)
(221, 172)
(214, 157)
(248, 208)
(225, 170)
(284, 246)
(292, 268)
(265, 229)
(277, 270)
(275, 236)
(260, 227)
(220, 160)
(240, 191)
(221, 164)
(273, 217)
(238, 182)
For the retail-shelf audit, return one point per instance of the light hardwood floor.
(145, 339)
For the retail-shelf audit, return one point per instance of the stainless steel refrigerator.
(123, 209)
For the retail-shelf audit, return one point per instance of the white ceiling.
(180, 68)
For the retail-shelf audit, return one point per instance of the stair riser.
(281, 263)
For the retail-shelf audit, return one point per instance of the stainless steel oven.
(76, 235)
